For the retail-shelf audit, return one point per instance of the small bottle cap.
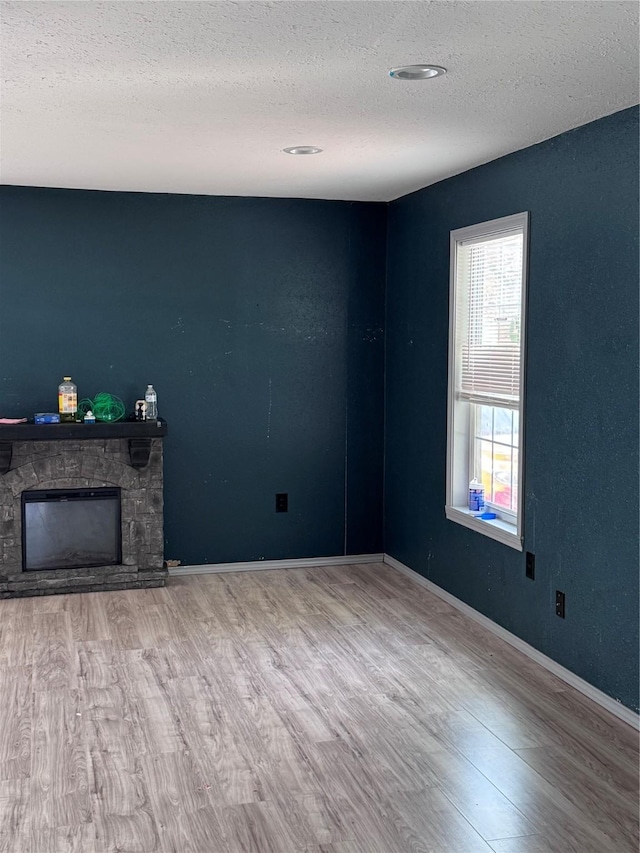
(67, 378)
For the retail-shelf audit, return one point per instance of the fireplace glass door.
(71, 528)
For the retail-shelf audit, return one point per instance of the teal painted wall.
(259, 321)
(581, 481)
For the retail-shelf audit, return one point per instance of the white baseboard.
(263, 565)
(621, 711)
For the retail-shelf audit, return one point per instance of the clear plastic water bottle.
(151, 399)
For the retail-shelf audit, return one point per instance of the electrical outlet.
(560, 604)
(282, 502)
(530, 568)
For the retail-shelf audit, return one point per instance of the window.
(486, 366)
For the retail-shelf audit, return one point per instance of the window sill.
(496, 528)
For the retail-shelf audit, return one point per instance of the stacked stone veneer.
(87, 464)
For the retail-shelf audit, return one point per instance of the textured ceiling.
(194, 97)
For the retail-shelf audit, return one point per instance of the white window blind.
(489, 277)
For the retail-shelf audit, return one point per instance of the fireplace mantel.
(139, 434)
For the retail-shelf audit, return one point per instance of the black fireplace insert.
(71, 528)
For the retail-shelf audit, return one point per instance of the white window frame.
(508, 526)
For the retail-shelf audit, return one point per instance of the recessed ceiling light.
(417, 72)
(302, 149)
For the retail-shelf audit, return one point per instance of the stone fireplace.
(125, 458)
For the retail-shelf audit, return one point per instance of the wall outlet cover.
(530, 567)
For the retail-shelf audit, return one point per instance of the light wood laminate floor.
(337, 710)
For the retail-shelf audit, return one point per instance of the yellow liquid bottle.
(67, 400)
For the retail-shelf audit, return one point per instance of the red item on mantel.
(13, 420)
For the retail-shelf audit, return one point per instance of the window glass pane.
(501, 481)
(484, 421)
(495, 460)
(502, 425)
(484, 465)
(516, 426)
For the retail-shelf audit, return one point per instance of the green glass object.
(106, 407)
